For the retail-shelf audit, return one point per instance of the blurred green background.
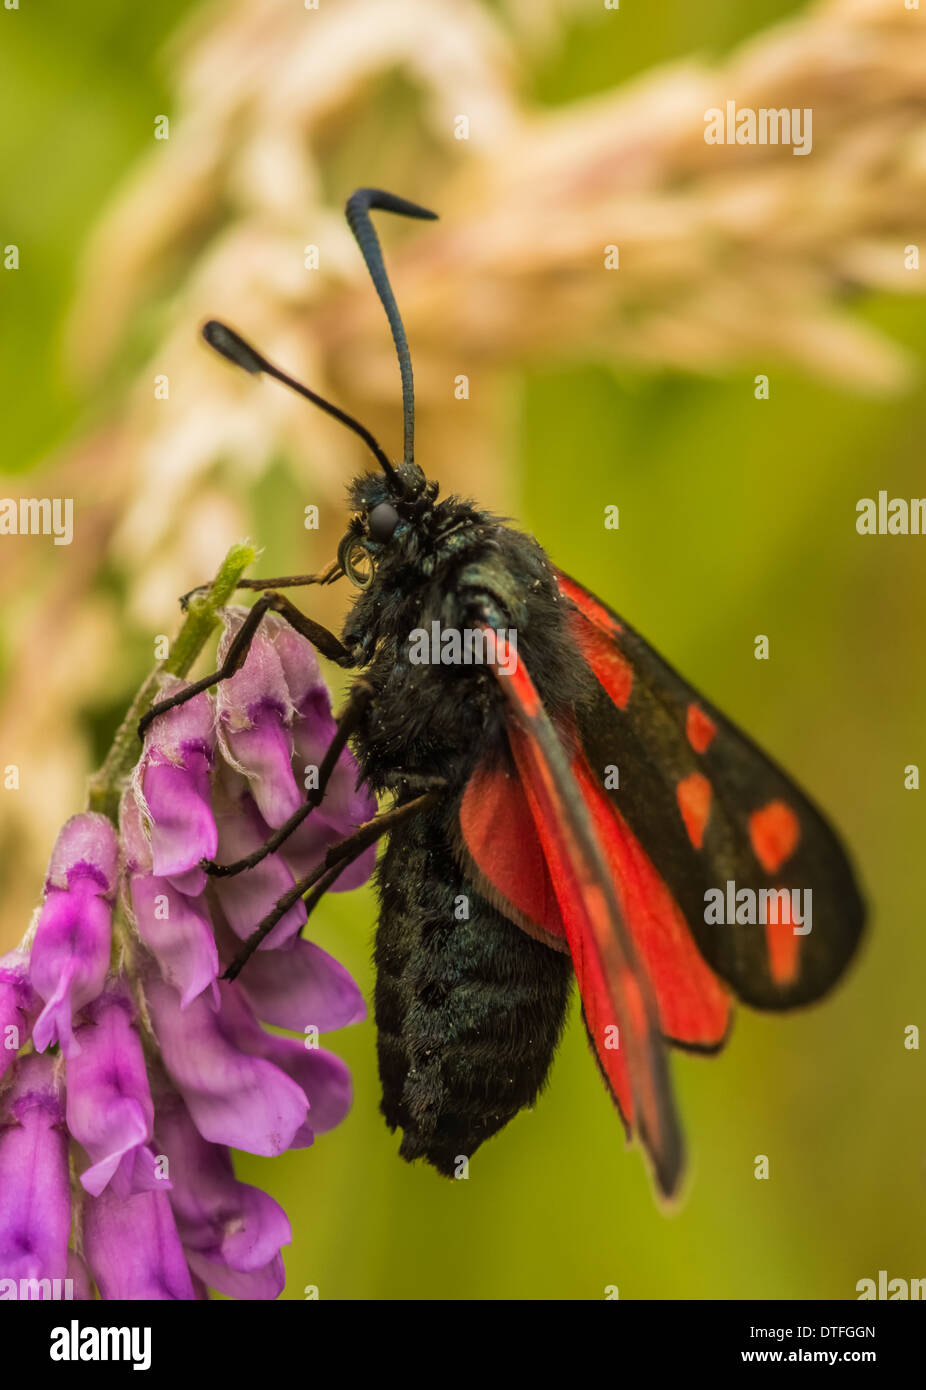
(737, 518)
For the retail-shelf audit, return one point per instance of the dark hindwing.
(710, 808)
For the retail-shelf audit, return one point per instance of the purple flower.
(322, 1078)
(275, 725)
(232, 1232)
(18, 1007)
(345, 805)
(174, 926)
(255, 715)
(299, 988)
(109, 1106)
(133, 1249)
(248, 897)
(164, 1067)
(70, 954)
(314, 727)
(35, 1199)
(305, 850)
(235, 1098)
(172, 785)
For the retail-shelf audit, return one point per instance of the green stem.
(105, 786)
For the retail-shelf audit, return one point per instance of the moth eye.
(382, 521)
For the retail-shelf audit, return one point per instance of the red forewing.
(620, 1009)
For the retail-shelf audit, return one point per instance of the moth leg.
(287, 581)
(326, 576)
(337, 859)
(357, 702)
(319, 636)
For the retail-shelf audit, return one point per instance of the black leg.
(319, 636)
(286, 581)
(293, 581)
(360, 696)
(333, 864)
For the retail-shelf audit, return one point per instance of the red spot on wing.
(693, 794)
(594, 611)
(774, 831)
(595, 631)
(783, 944)
(699, 729)
(693, 1004)
(610, 666)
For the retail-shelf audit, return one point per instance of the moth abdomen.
(469, 1009)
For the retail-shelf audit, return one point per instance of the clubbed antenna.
(231, 345)
(358, 217)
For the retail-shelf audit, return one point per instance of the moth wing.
(620, 1009)
(507, 863)
(711, 811)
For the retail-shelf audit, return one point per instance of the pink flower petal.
(109, 1107)
(179, 802)
(178, 931)
(70, 957)
(249, 896)
(235, 1098)
(254, 1284)
(19, 1007)
(35, 1200)
(301, 987)
(133, 1250)
(220, 1218)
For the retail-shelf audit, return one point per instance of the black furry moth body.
(515, 862)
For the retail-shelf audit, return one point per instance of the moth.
(563, 805)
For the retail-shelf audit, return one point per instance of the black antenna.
(358, 217)
(231, 345)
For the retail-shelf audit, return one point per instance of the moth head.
(385, 521)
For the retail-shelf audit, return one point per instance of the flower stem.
(105, 786)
